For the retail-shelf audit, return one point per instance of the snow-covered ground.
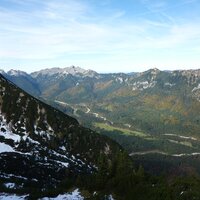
(7, 133)
(10, 185)
(5, 148)
(110, 197)
(5, 196)
(75, 195)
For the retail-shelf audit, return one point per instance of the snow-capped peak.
(13, 72)
(2, 71)
(75, 71)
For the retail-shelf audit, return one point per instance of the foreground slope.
(41, 146)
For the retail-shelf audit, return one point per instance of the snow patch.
(5, 148)
(30, 140)
(8, 176)
(75, 195)
(63, 148)
(119, 79)
(196, 88)
(143, 85)
(5, 130)
(110, 197)
(10, 185)
(63, 163)
(5, 196)
(169, 84)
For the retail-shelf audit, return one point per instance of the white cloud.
(53, 30)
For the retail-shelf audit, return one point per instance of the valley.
(173, 143)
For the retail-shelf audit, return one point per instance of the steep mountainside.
(40, 146)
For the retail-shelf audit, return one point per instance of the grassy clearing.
(123, 130)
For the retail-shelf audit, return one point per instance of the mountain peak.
(154, 70)
(13, 72)
(2, 71)
(76, 70)
(73, 70)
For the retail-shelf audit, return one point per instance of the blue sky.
(106, 35)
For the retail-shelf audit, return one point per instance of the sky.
(105, 36)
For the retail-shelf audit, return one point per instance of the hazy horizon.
(102, 72)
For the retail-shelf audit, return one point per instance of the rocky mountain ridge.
(138, 81)
(62, 72)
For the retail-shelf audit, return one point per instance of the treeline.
(126, 182)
